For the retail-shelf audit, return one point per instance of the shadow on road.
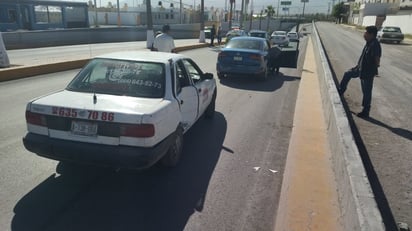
(398, 131)
(273, 83)
(102, 199)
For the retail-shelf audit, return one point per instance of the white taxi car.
(125, 109)
(279, 38)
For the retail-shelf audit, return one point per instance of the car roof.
(248, 38)
(151, 56)
(258, 31)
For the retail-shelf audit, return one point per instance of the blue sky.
(313, 6)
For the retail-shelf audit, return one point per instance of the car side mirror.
(207, 76)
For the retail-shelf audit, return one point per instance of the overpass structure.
(356, 201)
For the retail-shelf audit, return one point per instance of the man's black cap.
(166, 28)
(372, 30)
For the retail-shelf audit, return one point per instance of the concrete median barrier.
(357, 202)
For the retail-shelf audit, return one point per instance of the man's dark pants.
(366, 84)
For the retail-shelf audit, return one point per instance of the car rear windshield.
(121, 77)
(392, 29)
(244, 44)
(258, 34)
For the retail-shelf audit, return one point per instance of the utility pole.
(118, 14)
(277, 10)
(202, 22)
(251, 15)
(96, 23)
(149, 34)
(181, 12)
(242, 8)
(231, 13)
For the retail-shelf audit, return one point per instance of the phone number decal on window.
(89, 114)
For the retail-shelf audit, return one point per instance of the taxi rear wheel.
(172, 156)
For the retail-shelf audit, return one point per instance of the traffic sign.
(286, 3)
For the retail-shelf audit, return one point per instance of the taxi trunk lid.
(88, 117)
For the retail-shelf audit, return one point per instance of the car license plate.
(84, 128)
(237, 58)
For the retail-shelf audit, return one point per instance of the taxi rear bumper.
(98, 154)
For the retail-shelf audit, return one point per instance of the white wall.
(402, 21)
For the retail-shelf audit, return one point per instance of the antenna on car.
(94, 98)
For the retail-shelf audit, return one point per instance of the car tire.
(210, 110)
(172, 156)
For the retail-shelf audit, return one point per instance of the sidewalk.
(38, 61)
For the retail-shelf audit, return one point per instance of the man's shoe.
(363, 114)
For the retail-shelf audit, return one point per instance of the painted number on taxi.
(86, 114)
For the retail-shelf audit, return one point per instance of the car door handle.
(181, 101)
(199, 90)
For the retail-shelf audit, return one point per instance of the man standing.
(212, 34)
(164, 42)
(366, 69)
(219, 35)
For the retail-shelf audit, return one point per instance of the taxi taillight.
(35, 118)
(137, 130)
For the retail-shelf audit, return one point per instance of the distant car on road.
(293, 36)
(235, 33)
(259, 34)
(390, 34)
(279, 38)
(125, 109)
(244, 56)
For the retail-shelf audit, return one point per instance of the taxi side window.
(193, 70)
(182, 80)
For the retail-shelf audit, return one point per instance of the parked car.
(293, 36)
(244, 56)
(125, 109)
(390, 34)
(259, 34)
(235, 33)
(279, 38)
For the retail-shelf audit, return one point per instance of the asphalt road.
(384, 139)
(229, 177)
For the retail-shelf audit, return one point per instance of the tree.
(338, 11)
(270, 11)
